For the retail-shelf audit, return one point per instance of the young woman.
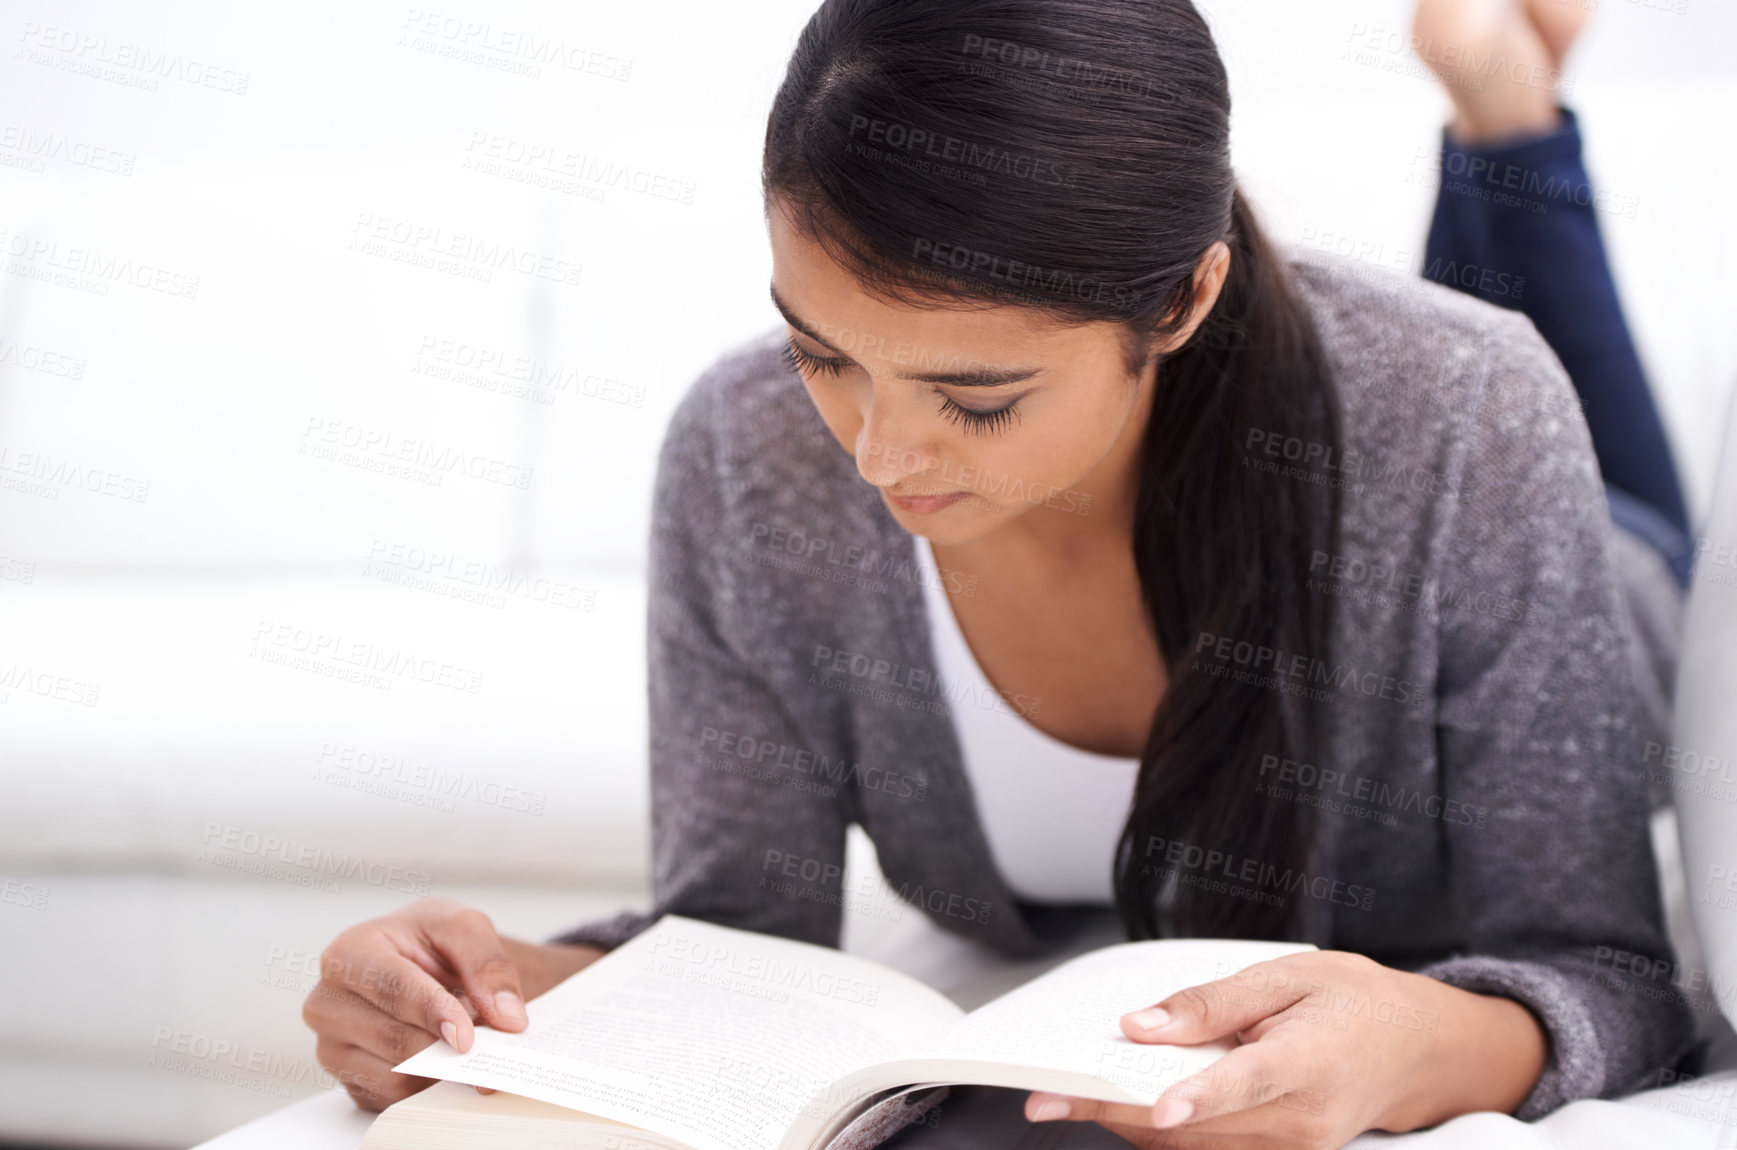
(1254, 596)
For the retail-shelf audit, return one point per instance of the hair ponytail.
(1223, 550)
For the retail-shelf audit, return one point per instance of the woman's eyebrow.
(790, 318)
(979, 376)
(973, 377)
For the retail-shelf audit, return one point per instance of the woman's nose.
(888, 448)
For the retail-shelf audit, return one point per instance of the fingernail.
(449, 1032)
(1050, 1109)
(1150, 1019)
(509, 1005)
(1171, 1112)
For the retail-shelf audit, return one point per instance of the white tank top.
(1052, 812)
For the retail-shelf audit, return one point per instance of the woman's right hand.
(393, 985)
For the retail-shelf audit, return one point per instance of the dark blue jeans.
(1516, 225)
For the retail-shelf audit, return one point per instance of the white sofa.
(1702, 762)
(138, 835)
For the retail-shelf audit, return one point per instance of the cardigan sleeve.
(729, 846)
(1539, 720)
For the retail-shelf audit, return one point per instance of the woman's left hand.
(1331, 1044)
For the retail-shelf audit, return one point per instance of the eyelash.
(802, 361)
(984, 422)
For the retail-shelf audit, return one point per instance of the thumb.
(1214, 1010)
(468, 942)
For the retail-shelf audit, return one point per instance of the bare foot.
(1500, 61)
(1559, 22)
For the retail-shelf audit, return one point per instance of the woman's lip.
(924, 504)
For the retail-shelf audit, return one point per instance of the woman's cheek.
(837, 412)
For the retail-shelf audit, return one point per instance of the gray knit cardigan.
(1482, 805)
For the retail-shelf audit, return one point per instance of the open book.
(691, 1036)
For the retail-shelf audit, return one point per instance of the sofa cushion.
(349, 731)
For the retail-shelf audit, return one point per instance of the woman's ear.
(1209, 276)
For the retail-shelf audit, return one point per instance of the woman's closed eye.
(984, 422)
(973, 420)
(807, 361)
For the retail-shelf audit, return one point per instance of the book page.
(1069, 1019)
(715, 1036)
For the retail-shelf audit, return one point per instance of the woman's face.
(964, 420)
